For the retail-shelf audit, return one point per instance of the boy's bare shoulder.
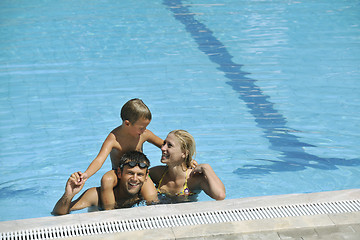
(117, 131)
(116, 138)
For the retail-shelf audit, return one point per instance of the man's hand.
(82, 178)
(71, 189)
(74, 184)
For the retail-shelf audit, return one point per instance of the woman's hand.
(209, 182)
(193, 164)
(198, 170)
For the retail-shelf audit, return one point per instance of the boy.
(129, 136)
(132, 173)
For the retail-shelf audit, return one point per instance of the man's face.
(132, 179)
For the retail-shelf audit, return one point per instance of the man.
(131, 173)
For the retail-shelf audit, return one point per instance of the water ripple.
(275, 127)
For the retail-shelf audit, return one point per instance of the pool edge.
(266, 226)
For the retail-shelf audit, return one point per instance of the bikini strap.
(161, 179)
(186, 178)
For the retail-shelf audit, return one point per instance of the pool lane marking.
(258, 103)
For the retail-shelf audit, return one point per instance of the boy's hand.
(82, 178)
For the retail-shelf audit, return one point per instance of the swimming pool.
(267, 88)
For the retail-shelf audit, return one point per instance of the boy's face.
(132, 179)
(139, 127)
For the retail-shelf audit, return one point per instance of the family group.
(131, 179)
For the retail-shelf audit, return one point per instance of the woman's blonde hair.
(187, 145)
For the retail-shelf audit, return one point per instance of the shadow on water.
(273, 123)
(6, 192)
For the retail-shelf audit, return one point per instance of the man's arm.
(62, 206)
(65, 203)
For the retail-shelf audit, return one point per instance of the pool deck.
(308, 227)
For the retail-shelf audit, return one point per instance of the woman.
(177, 180)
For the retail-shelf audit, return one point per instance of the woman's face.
(171, 151)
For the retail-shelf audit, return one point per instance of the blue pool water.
(269, 90)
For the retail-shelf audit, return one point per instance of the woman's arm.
(209, 181)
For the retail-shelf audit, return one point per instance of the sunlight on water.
(267, 88)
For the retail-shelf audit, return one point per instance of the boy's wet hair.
(135, 157)
(135, 109)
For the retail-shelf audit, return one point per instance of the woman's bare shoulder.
(157, 172)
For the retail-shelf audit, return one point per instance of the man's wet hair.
(136, 157)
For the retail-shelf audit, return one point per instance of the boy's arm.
(65, 204)
(104, 152)
(210, 183)
(108, 182)
(153, 139)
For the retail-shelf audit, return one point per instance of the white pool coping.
(205, 230)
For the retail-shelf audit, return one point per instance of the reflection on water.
(257, 84)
